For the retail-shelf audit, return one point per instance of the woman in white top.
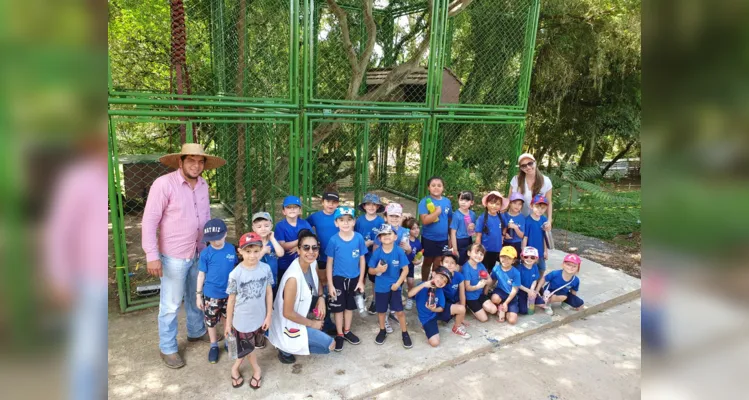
(530, 182)
(291, 331)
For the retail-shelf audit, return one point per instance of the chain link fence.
(232, 49)
(489, 49)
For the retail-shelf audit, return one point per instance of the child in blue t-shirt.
(561, 286)
(455, 294)
(390, 266)
(529, 277)
(345, 272)
(514, 223)
(534, 233)
(476, 279)
(507, 281)
(287, 230)
(489, 227)
(214, 265)
(324, 224)
(429, 314)
(434, 212)
(367, 225)
(415, 257)
(262, 224)
(463, 227)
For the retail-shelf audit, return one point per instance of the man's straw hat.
(192, 149)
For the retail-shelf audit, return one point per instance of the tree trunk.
(617, 157)
(586, 158)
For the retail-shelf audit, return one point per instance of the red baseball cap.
(250, 238)
(573, 258)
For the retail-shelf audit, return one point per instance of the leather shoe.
(173, 361)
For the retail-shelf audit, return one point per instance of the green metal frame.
(127, 303)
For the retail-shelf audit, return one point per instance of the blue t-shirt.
(396, 261)
(425, 314)
(346, 255)
(459, 224)
(452, 291)
(535, 234)
(217, 264)
(367, 229)
(527, 276)
(436, 231)
(492, 240)
(506, 280)
(286, 233)
(556, 281)
(415, 248)
(325, 228)
(519, 220)
(471, 276)
(400, 231)
(272, 260)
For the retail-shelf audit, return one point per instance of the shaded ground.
(622, 253)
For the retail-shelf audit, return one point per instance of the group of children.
(466, 262)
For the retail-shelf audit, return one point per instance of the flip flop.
(256, 386)
(237, 385)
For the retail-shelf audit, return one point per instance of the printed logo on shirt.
(396, 263)
(355, 253)
(230, 257)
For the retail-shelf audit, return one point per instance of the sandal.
(234, 380)
(256, 386)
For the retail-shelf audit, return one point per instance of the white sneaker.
(548, 310)
(409, 304)
(388, 328)
(566, 307)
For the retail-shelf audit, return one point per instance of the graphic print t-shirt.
(249, 286)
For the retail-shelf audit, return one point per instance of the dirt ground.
(623, 253)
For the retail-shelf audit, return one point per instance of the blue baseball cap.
(384, 228)
(539, 199)
(341, 211)
(214, 229)
(291, 201)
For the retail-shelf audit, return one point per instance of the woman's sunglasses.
(530, 257)
(527, 165)
(307, 247)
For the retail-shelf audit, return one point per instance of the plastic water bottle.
(359, 298)
(381, 263)
(531, 306)
(431, 208)
(432, 298)
(549, 240)
(467, 220)
(418, 257)
(231, 344)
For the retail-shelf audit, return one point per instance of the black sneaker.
(260, 342)
(351, 338)
(407, 340)
(372, 310)
(286, 359)
(380, 339)
(338, 343)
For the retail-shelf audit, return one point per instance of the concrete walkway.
(594, 358)
(136, 371)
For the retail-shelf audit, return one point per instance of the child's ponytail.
(485, 229)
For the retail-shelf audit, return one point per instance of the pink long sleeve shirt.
(179, 212)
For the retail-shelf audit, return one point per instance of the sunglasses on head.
(530, 257)
(308, 247)
(528, 164)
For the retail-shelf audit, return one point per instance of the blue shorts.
(463, 245)
(392, 299)
(523, 302)
(541, 266)
(445, 315)
(512, 306)
(433, 248)
(411, 269)
(574, 301)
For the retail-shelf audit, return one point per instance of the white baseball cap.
(526, 155)
(394, 209)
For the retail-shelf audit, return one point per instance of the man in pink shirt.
(178, 206)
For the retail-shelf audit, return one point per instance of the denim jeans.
(88, 343)
(179, 281)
